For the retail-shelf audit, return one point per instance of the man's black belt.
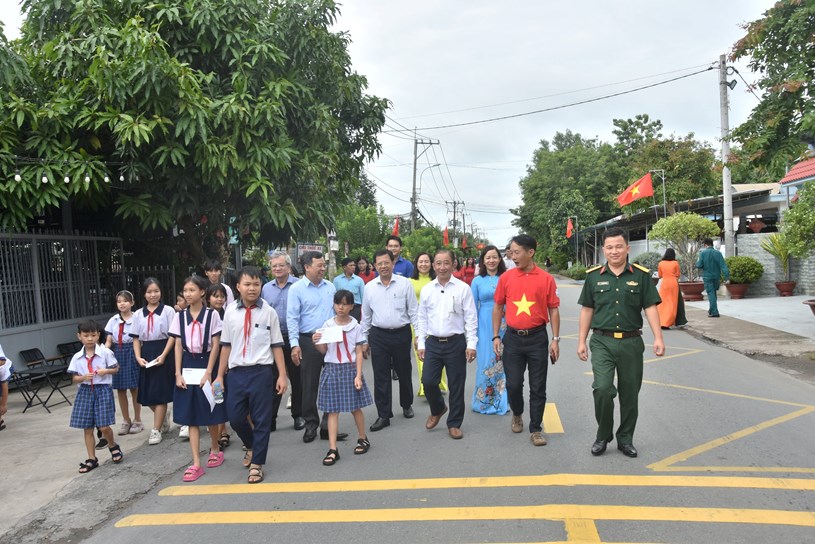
(403, 327)
(618, 334)
(444, 339)
(527, 332)
(307, 333)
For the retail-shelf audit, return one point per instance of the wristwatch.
(556, 339)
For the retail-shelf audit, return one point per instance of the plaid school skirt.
(128, 375)
(93, 407)
(337, 392)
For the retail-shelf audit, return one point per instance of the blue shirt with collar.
(354, 284)
(403, 267)
(308, 307)
(278, 297)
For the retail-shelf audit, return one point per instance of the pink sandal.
(193, 473)
(215, 459)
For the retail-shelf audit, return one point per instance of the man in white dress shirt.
(446, 335)
(388, 310)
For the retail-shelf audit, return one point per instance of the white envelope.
(330, 335)
(154, 362)
(193, 376)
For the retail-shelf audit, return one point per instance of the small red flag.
(569, 228)
(446, 238)
(396, 227)
(639, 189)
(464, 242)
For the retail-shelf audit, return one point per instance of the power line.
(564, 106)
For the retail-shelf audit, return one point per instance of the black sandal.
(363, 445)
(331, 457)
(88, 465)
(223, 441)
(116, 454)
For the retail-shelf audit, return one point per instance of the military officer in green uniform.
(713, 267)
(613, 299)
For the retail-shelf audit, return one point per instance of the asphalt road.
(726, 455)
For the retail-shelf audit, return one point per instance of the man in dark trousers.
(613, 298)
(530, 296)
(713, 267)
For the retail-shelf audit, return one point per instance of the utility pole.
(455, 204)
(727, 197)
(416, 155)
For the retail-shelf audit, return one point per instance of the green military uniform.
(616, 343)
(713, 267)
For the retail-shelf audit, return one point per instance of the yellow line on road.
(581, 530)
(728, 394)
(547, 480)
(479, 513)
(551, 419)
(665, 357)
(702, 448)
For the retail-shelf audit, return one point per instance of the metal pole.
(413, 193)
(727, 197)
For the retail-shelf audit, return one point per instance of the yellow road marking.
(664, 357)
(581, 530)
(707, 446)
(480, 513)
(547, 480)
(728, 394)
(551, 419)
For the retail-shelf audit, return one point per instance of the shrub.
(684, 232)
(576, 272)
(744, 269)
(649, 259)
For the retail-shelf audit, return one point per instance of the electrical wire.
(749, 87)
(564, 106)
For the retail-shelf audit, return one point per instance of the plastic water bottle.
(218, 392)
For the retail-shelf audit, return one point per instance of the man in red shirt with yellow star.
(531, 300)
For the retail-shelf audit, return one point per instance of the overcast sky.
(443, 62)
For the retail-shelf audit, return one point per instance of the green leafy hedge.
(744, 269)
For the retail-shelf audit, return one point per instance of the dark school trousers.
(311, 365)
(390, 348)
(248, 394)
(293, 372)
(521, 353)
(450, 354)
(623, 356)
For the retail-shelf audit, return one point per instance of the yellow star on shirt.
(523, 305)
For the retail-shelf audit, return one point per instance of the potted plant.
(776, 245)
(650, 260)
(743, 272)
(684, 232)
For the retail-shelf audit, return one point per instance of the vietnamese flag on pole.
(464, 242)
(639, 189)
(396, 227)
(446, 238)
(569, 228)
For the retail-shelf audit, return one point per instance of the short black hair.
(345, 261)
(88, 325)
(670, 255)
(525, 241)
(394, 237)
(448, 251)
(708, 242)
(212, 264)
(309, 256)
(383, 251)
(343, 296)
(613, 232)
(249, 271)
(198, 281)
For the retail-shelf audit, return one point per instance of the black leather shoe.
(408, 412)
(309, 435)
(628, 449)
(380, 423)
(299, 424)
(599, 447)
(394, 375)
(340, 436)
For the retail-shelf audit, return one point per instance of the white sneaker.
(155, 437)
(184, 432)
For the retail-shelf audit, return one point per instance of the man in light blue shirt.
(309, 305)
(350, 281)
(276, 293)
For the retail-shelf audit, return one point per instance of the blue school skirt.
(93, 407)
(128, 375)
(337, 392)
(190, 406)
(156, 384)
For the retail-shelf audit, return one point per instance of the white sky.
(434, 56)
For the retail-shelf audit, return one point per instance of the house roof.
(804, 170)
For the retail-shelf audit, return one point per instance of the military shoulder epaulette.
(593, 268)
(644, 269)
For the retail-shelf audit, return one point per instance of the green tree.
(632, 134)
(236, 114)
(427, 238)
(684, 232)
(780, 51)
(363, 228)
(799, 222)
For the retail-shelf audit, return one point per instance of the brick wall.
(801, 270)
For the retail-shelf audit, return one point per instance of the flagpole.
(661, 172)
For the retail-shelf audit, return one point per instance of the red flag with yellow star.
(639, 189)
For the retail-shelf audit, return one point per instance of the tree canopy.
(780, 51)
(241, 114)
